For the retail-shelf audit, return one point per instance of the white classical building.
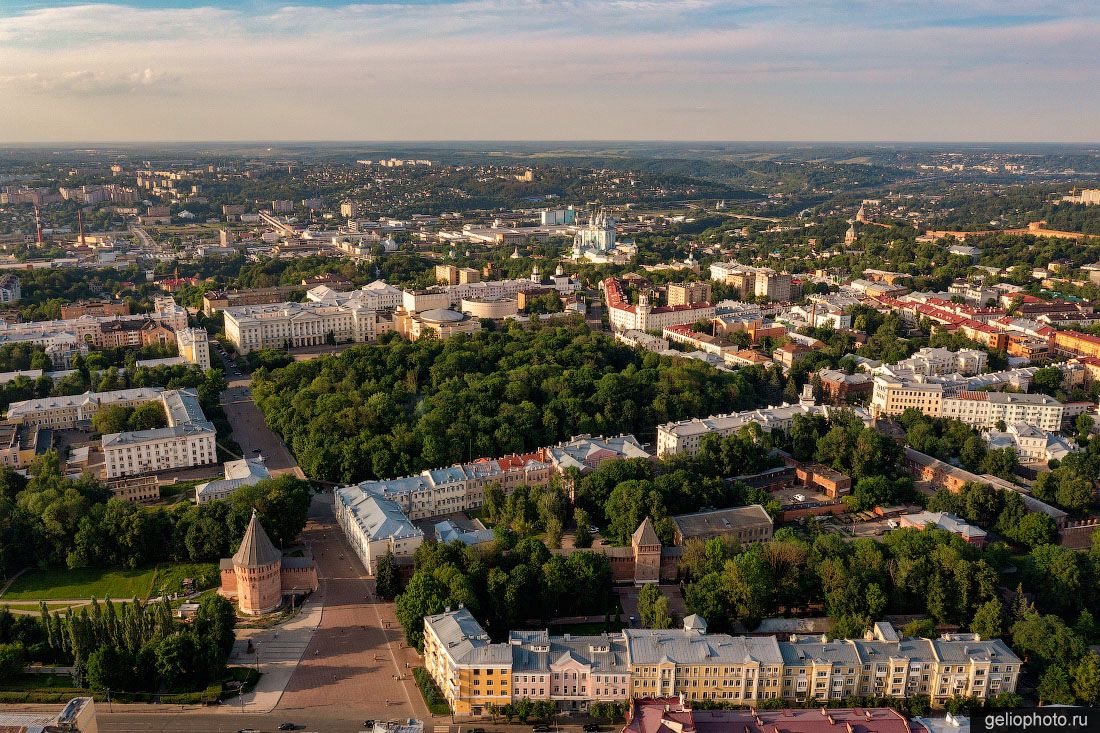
(1030, 443)
(188, 440)
(377, 295)
(375, 526)
(289, 325)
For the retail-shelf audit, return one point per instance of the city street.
(250, 430)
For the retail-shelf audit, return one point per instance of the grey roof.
(142, 436)
(377, 517)
(442, 315)
(256, 549)
(704, 524)
(648, 646)
(182, 406)
(29, 407)
(245, 472)
(465, 640)
(537, 651)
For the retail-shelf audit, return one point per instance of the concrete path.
(276, 654)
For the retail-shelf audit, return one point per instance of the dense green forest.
(48, 520)
(504, 584)
(393, 408)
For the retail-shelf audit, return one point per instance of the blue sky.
(549, 69)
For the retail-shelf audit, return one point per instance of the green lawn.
(48, 585)
(118, 585)
(169, 578)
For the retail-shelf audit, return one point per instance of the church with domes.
(259, 577)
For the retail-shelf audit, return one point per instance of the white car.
(799, 497)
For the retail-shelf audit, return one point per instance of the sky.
(730, 70)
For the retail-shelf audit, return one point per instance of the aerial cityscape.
(622, 367)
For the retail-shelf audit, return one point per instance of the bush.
(433, 697)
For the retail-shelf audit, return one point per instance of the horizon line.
(540, 141)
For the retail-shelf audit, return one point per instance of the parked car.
(591, 727)
(287, 726)
(540, 728)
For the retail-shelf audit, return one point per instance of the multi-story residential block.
(1075, 343)
(290, 325)
(103, 331)
(21, 444)
(67, 410)
(687, 435)
(983, 410)
(10, 291)
(937, 361)
(188, 440)
(194, 346)
(473, 672)
(624, 316)
(687, 293)
(375, 526)
(893, 396)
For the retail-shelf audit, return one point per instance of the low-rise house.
(946, 521)
(244, 472)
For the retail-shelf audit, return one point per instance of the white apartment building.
(66, 411)
(194, 346)
(375, 526)
(686, 436)
(938, 361)
(283, 325)
(983, 410)
(9, 288)
(187, 441)
(894, 395)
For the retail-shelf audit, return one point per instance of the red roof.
(650, 716)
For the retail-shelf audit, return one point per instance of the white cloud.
(84, 82)
(546, 68)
